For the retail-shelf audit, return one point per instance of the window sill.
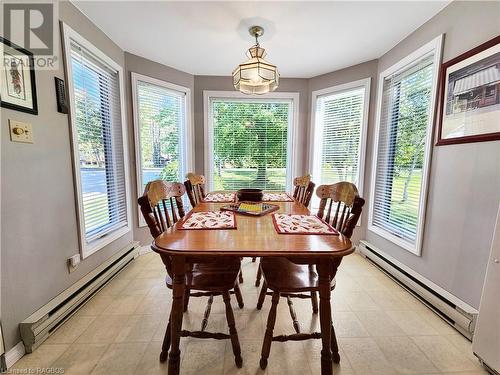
(412, 248)
(96, 245)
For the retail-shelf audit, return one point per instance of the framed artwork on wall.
(469, 105)
(17, 79)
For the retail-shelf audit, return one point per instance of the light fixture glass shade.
(256, 75)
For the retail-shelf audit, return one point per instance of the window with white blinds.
(403, 151)
(98, 144)
(161, 127)
(339, 134)
(250, 144)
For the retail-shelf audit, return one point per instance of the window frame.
(432, 47)
(87, 249)
(314, 132)
(188, 141)
(290, 97)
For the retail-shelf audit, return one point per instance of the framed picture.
(469, 102)
(17, 81)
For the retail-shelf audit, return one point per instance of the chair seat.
(210, 277)
(287, 277)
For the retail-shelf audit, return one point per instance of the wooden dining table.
(254, 237)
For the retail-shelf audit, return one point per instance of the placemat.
(301, 224)
(277, 197)
(220, 197)
(209, 220)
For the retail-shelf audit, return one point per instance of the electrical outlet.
(20, 131)
(73, 262)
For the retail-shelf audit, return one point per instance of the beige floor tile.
(288, 358)
(42, 357)
(70, 330)
(404, 355)
(378, 323)
(123, 304)
(121, 329)
(115, 286)
(444, 355)
(347, 324)
(203, 357)
(139, 328)
(412, 323)
(250, 351)
(150, 363)
(96, 305)
(103, 329)
(141, 287)
(365, 356)
(154, 304)
(361, 301)
(120, 359)
(389, 299)
(313, 354)
(80, 359)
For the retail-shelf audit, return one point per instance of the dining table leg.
(178, 287)
(325, 315)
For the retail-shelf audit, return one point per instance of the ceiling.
(304, 39)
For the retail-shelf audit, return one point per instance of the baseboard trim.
(14, 354)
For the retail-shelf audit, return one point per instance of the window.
(162, 130)
(338, 138)
(250, 141)
(404, 134)
(98, 135)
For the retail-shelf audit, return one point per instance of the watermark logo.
(33, 26)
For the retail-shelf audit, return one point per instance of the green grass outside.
(96, 211)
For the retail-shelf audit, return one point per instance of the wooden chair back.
(161, 205)
(195, 187)
(303, 189)
(343, 206)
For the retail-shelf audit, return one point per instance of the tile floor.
(381, 329)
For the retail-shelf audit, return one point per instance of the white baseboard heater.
(39, 326)
(454, 311)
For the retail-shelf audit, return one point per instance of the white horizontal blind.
(100, 144)
(404, 122)
(250, 143)
(162, 121)
(339, 124)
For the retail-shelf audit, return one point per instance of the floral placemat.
(209, 220)
(277, 197)
(220, 197)
(301, 224)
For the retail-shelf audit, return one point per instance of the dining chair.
(195, 187)
(161, 205)
(340, 206)
(302, 192)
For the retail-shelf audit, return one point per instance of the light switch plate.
(20, 131)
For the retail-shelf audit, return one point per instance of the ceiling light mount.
(256, 75)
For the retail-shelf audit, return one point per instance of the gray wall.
(464, 186)
(202, 83)
(39, 227)
(152, 69)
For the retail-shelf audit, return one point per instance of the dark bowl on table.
(251, 195)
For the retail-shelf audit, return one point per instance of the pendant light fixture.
(256, 75)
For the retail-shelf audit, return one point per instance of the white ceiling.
(303, 39)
